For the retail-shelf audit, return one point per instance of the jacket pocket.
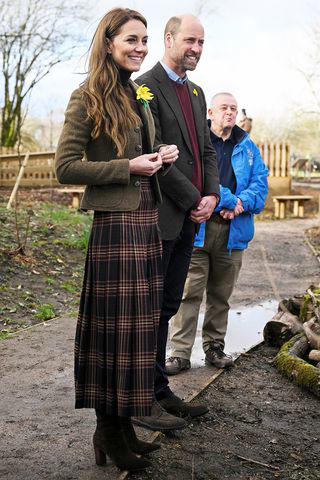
(247, 227)
(106, 196)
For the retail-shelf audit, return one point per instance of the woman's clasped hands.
(149, 163)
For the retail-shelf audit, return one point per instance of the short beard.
(183, 64)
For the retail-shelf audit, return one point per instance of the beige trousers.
(214, 269)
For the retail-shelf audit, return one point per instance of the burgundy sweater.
(185, 102)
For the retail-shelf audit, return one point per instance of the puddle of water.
(245, 329)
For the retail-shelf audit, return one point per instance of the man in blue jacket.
(215, 266)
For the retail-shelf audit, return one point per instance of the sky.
(253, 49)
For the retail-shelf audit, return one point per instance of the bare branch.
(35, 35)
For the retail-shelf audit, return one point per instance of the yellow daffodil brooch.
(195, 92)
(144, 95)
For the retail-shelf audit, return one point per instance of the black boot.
(136, 445)
(108, 440)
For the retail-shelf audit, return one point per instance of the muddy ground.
(260, 427)
(254, 412)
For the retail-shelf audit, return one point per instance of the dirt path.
(43, 437)
(260, 427)
(277, 263)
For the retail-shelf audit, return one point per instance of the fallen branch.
(289, 361)
(281, 328)
(273, 467)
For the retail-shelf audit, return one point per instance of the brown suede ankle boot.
(137, 446)
(108, 440)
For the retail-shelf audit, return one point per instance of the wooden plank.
(71, 190)
(266, 154)
(284, 160)
(292, 197)
(277, 159)
(271, 159)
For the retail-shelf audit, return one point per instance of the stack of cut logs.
(295, 329)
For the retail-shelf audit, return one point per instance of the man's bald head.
(223, 113)
(217, 97)
(174, 23)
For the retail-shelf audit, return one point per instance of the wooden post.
(75, 200)
(282, 209)
(301, 210)
(296, 208)
(271, 160)
(277, 160)
(276, 208)
(284, 160)
(16, 185)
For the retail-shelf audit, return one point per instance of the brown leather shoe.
(179, 408)
(160, 420)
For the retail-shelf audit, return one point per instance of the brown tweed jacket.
(82, 160)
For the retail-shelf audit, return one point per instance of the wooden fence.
(39, 171)
(277, 158)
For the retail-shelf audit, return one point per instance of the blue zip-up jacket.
(252, 189)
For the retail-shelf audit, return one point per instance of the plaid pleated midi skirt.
(115, 343)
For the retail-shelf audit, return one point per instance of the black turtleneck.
(124, 76)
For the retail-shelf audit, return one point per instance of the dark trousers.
(176, 256)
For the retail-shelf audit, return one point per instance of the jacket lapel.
(197, 115)
(171, 98)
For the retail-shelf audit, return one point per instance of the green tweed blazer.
(82, 160)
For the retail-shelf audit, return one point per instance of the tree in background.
(311, 73)
(35, 35)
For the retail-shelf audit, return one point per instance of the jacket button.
(137, 183)
(190, 162)
(138, 148)
(137, 129)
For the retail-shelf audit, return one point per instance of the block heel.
(99, 455)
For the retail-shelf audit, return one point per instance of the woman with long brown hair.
(105, 144)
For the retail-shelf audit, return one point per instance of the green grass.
(5, 334)
(76, 240)
(61, 215)
(55, 248)
(45, 311)
(69, 287)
